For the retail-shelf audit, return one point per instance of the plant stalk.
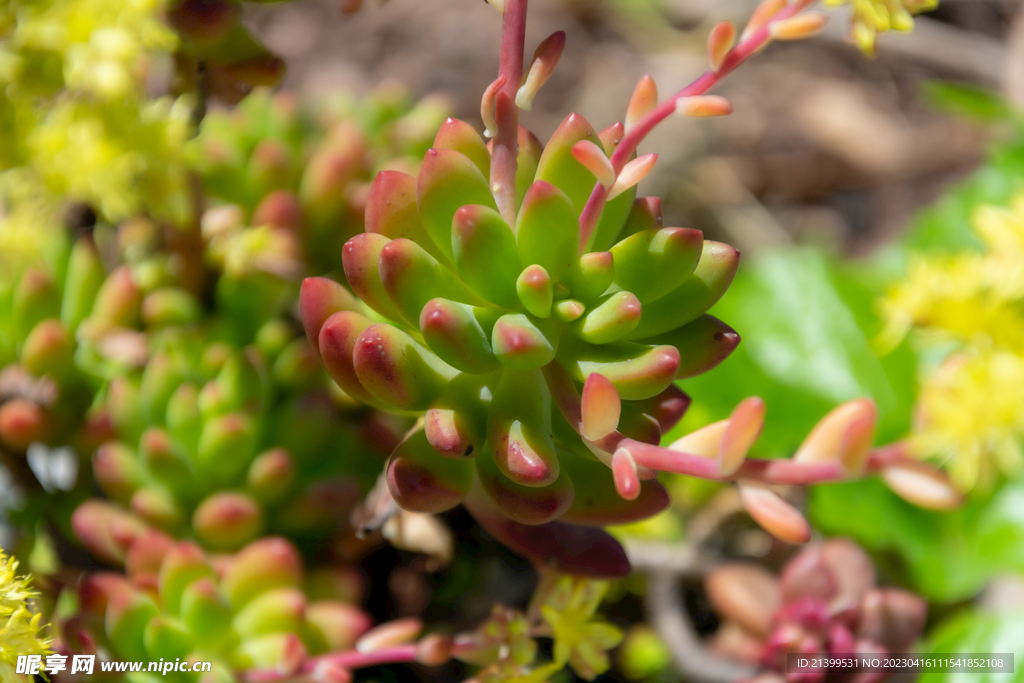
(506, 141)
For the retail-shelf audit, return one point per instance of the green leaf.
(978, 632)
(806, 325)
(968, 101)
(947, 556)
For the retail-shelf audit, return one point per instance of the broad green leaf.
(981, 633)
(806, 326)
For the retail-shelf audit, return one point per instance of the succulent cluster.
(824, 601)
(255, 609)
(480, 316)
(304, 170)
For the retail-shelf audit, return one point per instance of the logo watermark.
(86, 664)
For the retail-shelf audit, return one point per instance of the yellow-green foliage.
(74, 111)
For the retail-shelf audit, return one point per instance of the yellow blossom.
(19, 625)
(970, 414)
(970, 305)
(871, 17)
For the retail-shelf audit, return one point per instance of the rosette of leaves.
(253, 609)
(475, 321)
(224, 443)
(286, 163)
(825, 600)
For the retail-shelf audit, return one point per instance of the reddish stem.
(625, 149)
(506, 139)
(792, 472)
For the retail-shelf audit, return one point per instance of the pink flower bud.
(799, 27)
(488, 106)
(635, 171)
(774, 514)
(762, 15)
(545, 59)
(601, 407)
(594, 160)
(703, 105)
(390, 634)
(643, 100)
(922, 485)
(624, 473)
(720, 43)
(745, 424)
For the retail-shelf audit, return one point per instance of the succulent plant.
(257, 608)
(535, 313)
(824, 601)
(286, 164)
(480, 316)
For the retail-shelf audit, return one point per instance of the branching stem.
(748, 47)
(506, 139)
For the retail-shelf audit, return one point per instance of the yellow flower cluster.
(871, 17)
(74, 108)
(19, 625)
(970, 412)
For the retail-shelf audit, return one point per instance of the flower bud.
(703, 105)
(922, 485)
(745, 424)
(624, 474)
(601, 407)
(643, 100)
(774, 514)
(798, 27)
(390, 634)
(631, 174)
(543, 65)
(720, 43)
(593, 158)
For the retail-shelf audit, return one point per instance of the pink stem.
(567, 398)
(506, 140)
(620, 157)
